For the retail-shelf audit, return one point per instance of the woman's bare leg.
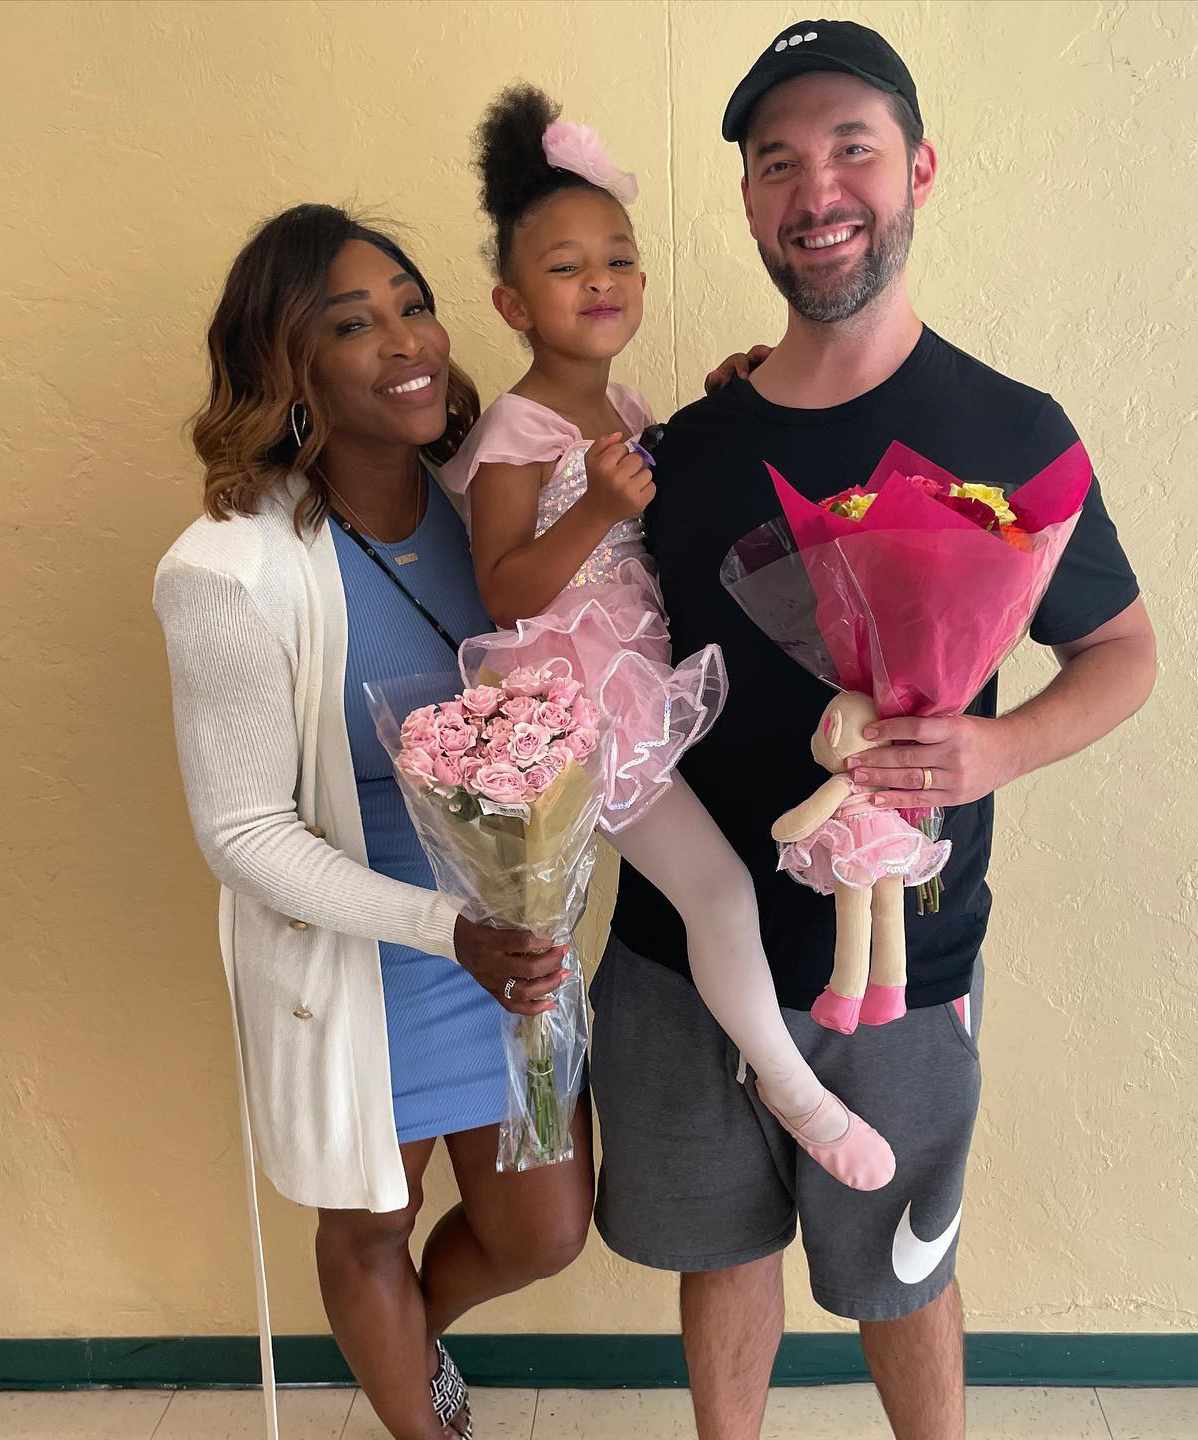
(509, 1229)
(372, 1297)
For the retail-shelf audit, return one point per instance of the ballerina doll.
(839, 843)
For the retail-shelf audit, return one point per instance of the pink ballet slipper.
(837, 1012)
(883, 1003)
(860, 1158)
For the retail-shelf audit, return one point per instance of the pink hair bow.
(578, 148)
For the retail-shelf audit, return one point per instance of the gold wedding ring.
(927, 779)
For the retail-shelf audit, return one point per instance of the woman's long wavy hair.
(261, 346)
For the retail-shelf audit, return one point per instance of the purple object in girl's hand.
(649, 441)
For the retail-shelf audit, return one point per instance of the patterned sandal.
(450, 1397)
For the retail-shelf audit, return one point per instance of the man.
(697, 1177)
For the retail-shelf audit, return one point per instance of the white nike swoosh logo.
(915, 1259)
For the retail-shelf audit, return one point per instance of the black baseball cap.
(811, 45)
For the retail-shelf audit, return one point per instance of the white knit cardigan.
(256, 634)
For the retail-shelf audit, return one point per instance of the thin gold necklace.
(404, 558)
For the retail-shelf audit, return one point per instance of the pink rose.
(527, 681)
(581, 743)
(520, 708)
(483, 700)
(420, 737)
(470, 765)
(416, 766)
(418, 721)
(454, 735)
(502, 783)
(447, 769)
(585, 713)
(452, 707)
(558, 756)
(498, 732)
(935, 488)
(540, 777)
(564, 691)
(552, 715)
(529, 743)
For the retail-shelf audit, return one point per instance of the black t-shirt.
(756, 762)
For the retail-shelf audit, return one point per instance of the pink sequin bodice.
(565, 487)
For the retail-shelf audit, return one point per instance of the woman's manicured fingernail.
(870, 732)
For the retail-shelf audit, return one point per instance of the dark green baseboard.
(580, 1361)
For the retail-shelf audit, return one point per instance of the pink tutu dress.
(607, 628)
(861, 845)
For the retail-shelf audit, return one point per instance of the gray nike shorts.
(698, 1175)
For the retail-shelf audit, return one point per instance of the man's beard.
(838, 299)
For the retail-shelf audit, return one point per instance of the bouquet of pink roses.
(504, 784)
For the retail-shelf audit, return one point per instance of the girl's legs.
(384, 1315)
(680, 850)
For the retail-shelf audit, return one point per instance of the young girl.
(557, 488)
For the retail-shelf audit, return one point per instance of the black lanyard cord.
(367, 548)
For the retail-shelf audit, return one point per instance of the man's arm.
(1105, 678)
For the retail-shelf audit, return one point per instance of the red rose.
(976, 510)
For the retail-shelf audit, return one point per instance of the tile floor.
(848, 1412)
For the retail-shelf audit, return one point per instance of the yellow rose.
(989, 495)
(856, 505)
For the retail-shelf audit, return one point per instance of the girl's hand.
(619, 483)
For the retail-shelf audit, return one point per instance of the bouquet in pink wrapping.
(905, 594)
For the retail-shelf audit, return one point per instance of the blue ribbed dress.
(443, 1029)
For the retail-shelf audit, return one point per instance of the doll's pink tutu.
(611, 636)
(860, 847)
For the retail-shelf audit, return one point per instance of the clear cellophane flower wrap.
(908, 589)
(525, 864)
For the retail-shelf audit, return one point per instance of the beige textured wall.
(138, 144)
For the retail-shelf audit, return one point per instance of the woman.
(366, 1009)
